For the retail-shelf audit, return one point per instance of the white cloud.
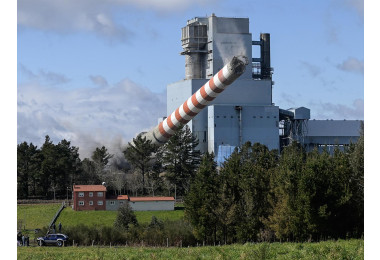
(329, 110)
(95, 16)
(88, 117)
(99, 81)
(312, 69)
(352, 65)
(71, 16)
(46, 77)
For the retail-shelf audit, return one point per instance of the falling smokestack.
(199, 100)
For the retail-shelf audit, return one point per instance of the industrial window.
(100, 202)
(275, 117)
(261, 116)
(100, 194)
(112, 202)
(254, 116)
(268, 116)
(225, 116)
(81, 203)
(90, 203)
(90, 194)
(81, 194)
(232, 116)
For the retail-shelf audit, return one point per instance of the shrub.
(125, 217)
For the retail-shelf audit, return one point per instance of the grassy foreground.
(342, 249)
(39, 215)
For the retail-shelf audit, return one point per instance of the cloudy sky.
(95, 72)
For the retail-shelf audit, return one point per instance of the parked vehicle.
(53, 239)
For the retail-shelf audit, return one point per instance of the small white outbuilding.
(151, 203)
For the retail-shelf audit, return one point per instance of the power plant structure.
(245, 110)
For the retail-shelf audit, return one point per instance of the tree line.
(261, 195)
(50, 171)
(255, 195)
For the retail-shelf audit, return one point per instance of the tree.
(284, 219)
(28, 166)
(180, 159)
(202, 200)
(89, 175)
(101, 156)
(125, 217)
(140, 155)
(357, 181)
(60, 166)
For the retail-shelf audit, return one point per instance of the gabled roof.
(133, 199)
(89, 188)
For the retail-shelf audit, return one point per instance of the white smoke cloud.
(88, 117)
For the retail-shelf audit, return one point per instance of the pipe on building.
(199, 100)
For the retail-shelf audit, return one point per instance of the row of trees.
(50, 171)
(259, 195)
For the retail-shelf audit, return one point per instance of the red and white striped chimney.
(199, 100)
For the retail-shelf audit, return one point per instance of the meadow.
(341, 249)
(39, 215)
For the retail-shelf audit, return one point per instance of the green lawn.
(39, 215)
(342, 249)
(36, 215)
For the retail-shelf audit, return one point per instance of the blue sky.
(95, 72)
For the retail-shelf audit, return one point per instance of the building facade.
(114, 202)
(151, 203)
(89, 197)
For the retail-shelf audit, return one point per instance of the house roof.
(117, 197)
(133, 199)
(89, 188)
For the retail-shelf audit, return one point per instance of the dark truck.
(53, 239)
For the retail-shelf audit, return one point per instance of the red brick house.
(89, 197)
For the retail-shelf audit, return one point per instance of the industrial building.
(245, 111)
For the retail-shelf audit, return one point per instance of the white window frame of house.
(112, 202)
(100, 202)
(81, 194)
(81, 203)
(121, 202)
(100, 193)
(90, 203)
(91, 194)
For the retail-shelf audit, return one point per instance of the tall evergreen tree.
(28, 167)
(202, 199)
(59, 167)
(180, 159)
(140, 154)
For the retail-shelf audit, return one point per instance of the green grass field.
(39, 215)
(342, 249)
